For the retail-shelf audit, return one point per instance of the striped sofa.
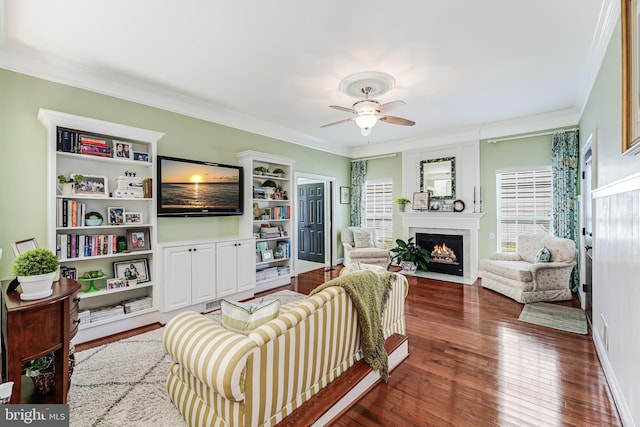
(221, 378)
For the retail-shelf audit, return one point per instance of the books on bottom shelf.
(267, 273)
(283, 270)
(123, 307)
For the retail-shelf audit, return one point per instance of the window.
(379, 209)
(524, 204)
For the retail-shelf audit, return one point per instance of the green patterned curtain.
(565, 160)
(358, 175)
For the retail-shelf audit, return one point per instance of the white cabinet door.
(246, 264)
(177, 277)
(203, 262)
(226, 270)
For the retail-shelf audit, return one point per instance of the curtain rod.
(374, 157)
(511, 138)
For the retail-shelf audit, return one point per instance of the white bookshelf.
(65, 163)
(276, 271)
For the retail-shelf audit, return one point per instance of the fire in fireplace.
(446, 252)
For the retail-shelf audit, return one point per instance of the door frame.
(590, 144)
(329, 215)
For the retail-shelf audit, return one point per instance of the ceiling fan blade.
(338, 122)
(396, 120)
(339, 108)
(388, 106)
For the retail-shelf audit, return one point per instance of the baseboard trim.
(341, 394)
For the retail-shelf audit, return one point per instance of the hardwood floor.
(472, 362)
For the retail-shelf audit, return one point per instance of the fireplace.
(446, 252)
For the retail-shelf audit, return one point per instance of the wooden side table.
(31, 329)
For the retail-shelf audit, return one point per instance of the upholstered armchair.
(539, 270)
(361, 244)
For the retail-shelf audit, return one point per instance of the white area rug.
(123, 383)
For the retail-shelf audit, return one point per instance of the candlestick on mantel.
(480, 198)
(474, 199)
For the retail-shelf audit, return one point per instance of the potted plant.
(402, 203)
(269, 186)
(42, 370)
(409, 255)
(260, 170)
(66, 184)
(279, 172)
(35, 270)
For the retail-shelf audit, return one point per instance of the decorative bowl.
(92, 222)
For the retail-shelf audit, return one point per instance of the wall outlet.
(492, 236)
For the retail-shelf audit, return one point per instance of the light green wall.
(389, 167)
(23, 156)
(525, 152)
(602, 116)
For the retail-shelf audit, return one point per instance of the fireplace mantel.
(465, 224)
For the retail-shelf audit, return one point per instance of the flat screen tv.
(196, 188)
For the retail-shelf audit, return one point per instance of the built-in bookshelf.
(104, 221)
(267, 215)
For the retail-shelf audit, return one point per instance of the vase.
(66, 189)
(408, 267)
(402, 207)
(36, 287)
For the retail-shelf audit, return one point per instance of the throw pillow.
(543, 255)
(244, 317)
(362, 238)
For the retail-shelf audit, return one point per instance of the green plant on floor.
(39, 366)
(409, 251)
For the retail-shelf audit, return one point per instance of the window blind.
(524, 204)
(379, 208)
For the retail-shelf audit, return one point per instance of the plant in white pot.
(35, 270)
(66, 184)
(402, 203)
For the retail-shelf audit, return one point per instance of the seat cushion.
(516, 270)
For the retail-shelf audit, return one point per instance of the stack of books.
(283, 270)
(137, 304)
(93, 146)
(84, 317)
(269, 232)
(129, 187)
(103, 313)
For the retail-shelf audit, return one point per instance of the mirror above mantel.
(438, 176)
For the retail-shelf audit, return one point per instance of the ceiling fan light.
(366, 120)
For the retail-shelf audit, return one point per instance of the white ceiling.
(273, 67)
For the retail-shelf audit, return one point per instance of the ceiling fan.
(369, 111)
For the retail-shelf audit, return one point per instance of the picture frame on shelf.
(126, 269)
(345, 195)
(420, 201)
(267, 255)
(140, 156)
(24, 245)
(116, 283)
(115, 215)
(91, 185)
(138, 240)
(133, 217)
(122, 150)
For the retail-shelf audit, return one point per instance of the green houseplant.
(408, 252)
(260, 170)
(402, 203)
(66, 183)
(35, 270)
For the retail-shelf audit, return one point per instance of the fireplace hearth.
(446, 252)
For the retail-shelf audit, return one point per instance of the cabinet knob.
(190, 249)
(77, 321)
(77, 299)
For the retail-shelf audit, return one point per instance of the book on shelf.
(74, 141)
(73, 246)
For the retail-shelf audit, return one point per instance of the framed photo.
(133, 217)
(140, 156)
(421, 201)
(24, 245)
(115, 215)
(126, 270)
(122, 150)
(119, 282)
(267, 255)
(345, 195)
(91, 185)
(630, 70)
(138, 240)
